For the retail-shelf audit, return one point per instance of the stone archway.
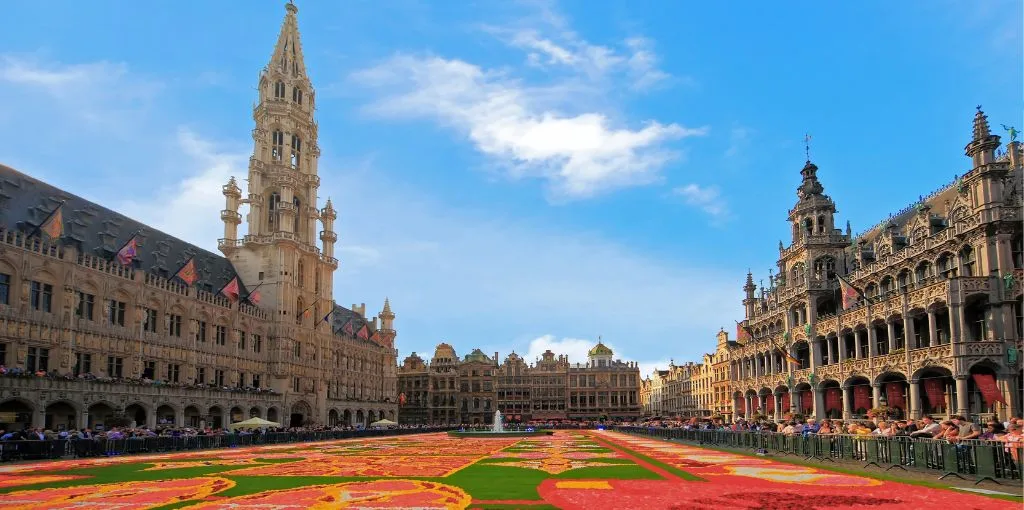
(301, 414)
(136, 413)
(215, 417)
(99, 413)
(236, 415)
(166, 416)
(192, 416)
(16, 414)
(61, 415)
(360, 418)
(332, 418)
(272, 414)
(254, 412)
(346, 418)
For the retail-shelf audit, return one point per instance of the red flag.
(347, 329)
(127, 253)
(188, 273)
(54, 224)
(364, 332)
(254, 297)
(849, 293)
(231, 290)
(986, 384)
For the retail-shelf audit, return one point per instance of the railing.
(134, 388)
(985, 460)
(57, 448)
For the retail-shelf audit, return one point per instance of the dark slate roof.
(25, 202)
(342, 316)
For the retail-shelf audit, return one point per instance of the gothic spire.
(287, 57)
(983, 143)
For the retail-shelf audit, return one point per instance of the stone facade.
(134, 341)
(468, 391)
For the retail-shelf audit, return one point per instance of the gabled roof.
(343, 316)
(25, 202)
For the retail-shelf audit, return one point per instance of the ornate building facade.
(85, 337)
(919, 314)
(451, 391)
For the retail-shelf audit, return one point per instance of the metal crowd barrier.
(58, 448)
(981, 460)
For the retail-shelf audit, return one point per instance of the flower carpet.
(570, 469)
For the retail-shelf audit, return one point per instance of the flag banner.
(347, 329)
(53, 227)
(834, 400)
(306, 313)
(894, 395)
(786, 402)
(848, 292)
(790, 358)
(986, 384)
(935, 392)
(127, 253)
(363, 333)
(188, 273)
(254, 297)
(742, 335)
(401, 399)
(861, 398)
(806, 402)
(231, 290)
(327, 318)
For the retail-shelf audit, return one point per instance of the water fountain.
(498, 430)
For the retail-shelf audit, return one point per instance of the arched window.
(277, 145)
(871, 290)
(272, 209)
(903, 279)
(297, 95)
(967, 261)
(279, 90)
(296, 149)
(808, 226)
(944, 264)
(821, 224)
(825, 268)
(1017, 249)
(924, 271)
(798, 275)
(887, 285)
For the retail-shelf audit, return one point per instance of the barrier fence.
(980, 460)
(59, 448)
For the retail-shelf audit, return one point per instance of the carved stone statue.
(1013, 132)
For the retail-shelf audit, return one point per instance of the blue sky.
(522, 175)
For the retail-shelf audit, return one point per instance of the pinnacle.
(981, 128)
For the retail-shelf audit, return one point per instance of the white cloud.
(451, 274)
(643, 64)
(582, 154)
(190, 208)
(576, 349)
(707, 199)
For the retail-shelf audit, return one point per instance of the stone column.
(933, 330)
(961, 395)
(909, 333)
(876, 395)
(793, 396)
(831, 351)
(891, 325)
(857, 342)
(814, 348)
(914, 411)
(819, 403)
(83, 418)
(841, 345)
(872, 341)
(847, 402)
(956, 320)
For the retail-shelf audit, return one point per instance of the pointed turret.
(983, 145)
(287, 57)
(229, 215)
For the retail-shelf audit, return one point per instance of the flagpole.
(39, 227)
(249, 294)
(135, 233)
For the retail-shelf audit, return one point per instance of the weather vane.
(807, 145)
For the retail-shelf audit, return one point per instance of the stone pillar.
(961, 395)
(858, 340)
(831, 351)
(891, 330)
(909, 333)
(872, 341)
(876, 395)
(956, 319)
(933, 330)
(819, 403)
(793, 396)
(779, 411)
(814, 348)
(847, 402)
(914, 411)
(841, 345)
